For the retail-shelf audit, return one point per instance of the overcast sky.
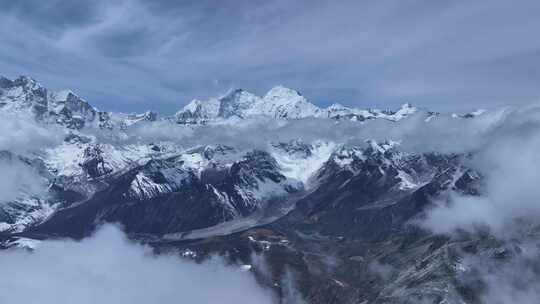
(134, 55)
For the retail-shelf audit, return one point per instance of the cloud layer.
(108, 269)
(443, 134)
(507, 157)
(508, 207)
(21, 134)
(132, 55)
(18, 179)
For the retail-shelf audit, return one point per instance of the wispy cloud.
(22, 134)
(134, 54)
(19, 179)
(507, 158)
(109, 269)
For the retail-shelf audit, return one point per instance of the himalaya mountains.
(278, 103)
(68, 109)
(87, 153)
(324, 192)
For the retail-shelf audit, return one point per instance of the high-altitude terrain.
(326, 199)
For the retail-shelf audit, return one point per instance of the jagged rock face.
(359, 192)
(154, 198)
(104, 121)
(238, 103)
(295, 147)
(373, 192)
(75, 112)
(65, 108)
(198, 112)
(217, 152)
(30, 205)
(256, 165)
(169, 196)
(24, 93)
(157, 178)
(93, 163)
(255, 177)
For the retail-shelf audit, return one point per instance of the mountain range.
(209, 181)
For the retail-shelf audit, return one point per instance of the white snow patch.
(302, 168)
(25, 243)
(194, 161)
(65, 159)
(407, 182)
(245, 267)
(144, 187)
(4, 226)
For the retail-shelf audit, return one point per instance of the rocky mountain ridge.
(322, 208)
(279, 103)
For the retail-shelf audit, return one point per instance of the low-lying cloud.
(514, 279)
(20, 137)
(443, 134)
(19, 179)
(509, 160)
(107, 268)
(22, 134)
(508, 208)
(161, 54)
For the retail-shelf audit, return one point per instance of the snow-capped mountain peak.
(27, 95)
(66, 108)
(406, 109)
(239, 103)
(282, 95)
(23, 94)
(284, 103)
(279, 102)
(198, 111)
(337, 107)
(21, 81)
(63, 94)
(71, 109)
(472, 114)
